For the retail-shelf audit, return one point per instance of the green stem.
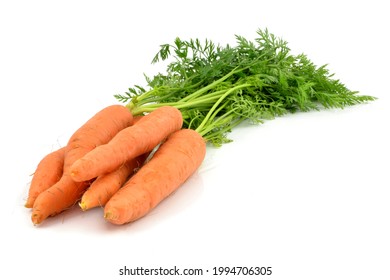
(210, 86)
(217, 134)
(214, 123)
(210, 113)
(209, 98)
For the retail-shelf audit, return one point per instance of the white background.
(307, 194)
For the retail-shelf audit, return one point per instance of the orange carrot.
(48, 172)
(171, 165)
(128, 144)
(137, 119)
(98, 130)
(105, 186)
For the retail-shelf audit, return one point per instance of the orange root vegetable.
(99, 130)
(128, 144)
(105, 186)
(172, 164)
(48, 172)
(137, 119)
(61, 196)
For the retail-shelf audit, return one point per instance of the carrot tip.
(28, 205)
(36, 220)
(109, 216)
(113, 217)
(83, 206)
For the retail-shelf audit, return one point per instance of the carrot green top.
(216, 87)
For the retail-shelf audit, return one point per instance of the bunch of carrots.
(100, 157)
(128, 158)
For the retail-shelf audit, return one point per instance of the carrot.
(128, 144)
(137, 119)
(47, 173)
(105, 186)
(171, 165)
(98, 130)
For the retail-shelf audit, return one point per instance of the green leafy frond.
(217, 87)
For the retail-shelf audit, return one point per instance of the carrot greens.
(216, 88)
